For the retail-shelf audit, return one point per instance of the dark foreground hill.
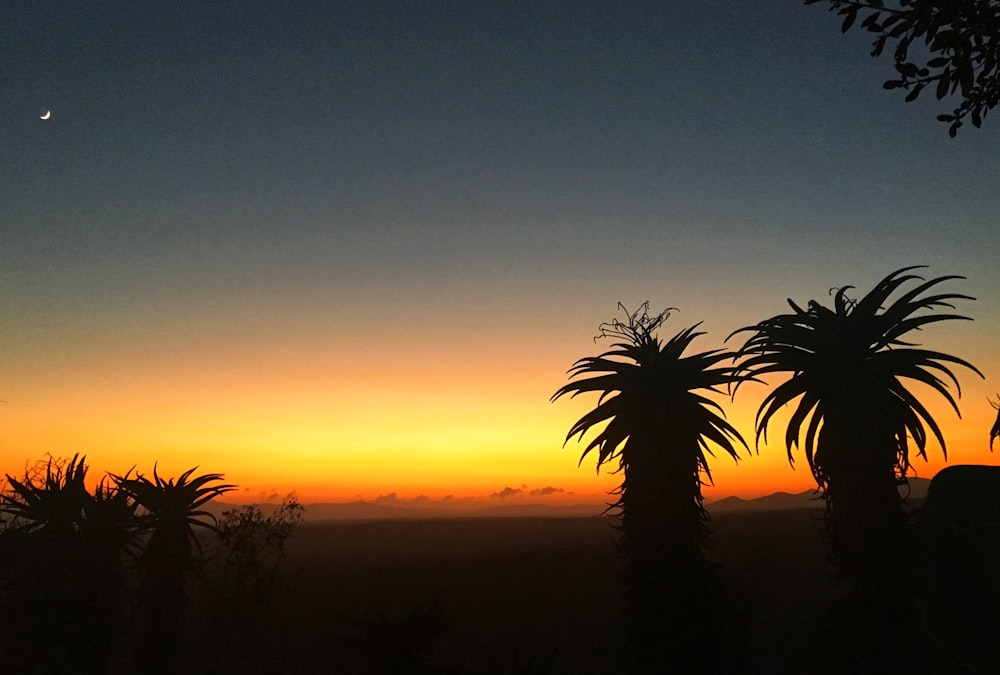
(483, 595)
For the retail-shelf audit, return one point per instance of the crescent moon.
(47, 115)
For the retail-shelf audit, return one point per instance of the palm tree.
(846, 365)
(657, 426)
(171, 514)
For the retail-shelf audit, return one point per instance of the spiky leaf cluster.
(176, 501)
(852, 359)
(55, 499)
(644, 384)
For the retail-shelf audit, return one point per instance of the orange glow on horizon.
(448, 416)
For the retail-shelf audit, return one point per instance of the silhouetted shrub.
(251, 548)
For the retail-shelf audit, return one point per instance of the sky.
(350, 249)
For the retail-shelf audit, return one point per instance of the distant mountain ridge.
(784, 500)
(363, 510)
(778, 501)
(402, 509)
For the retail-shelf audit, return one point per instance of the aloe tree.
(171, 514)
(858, 423)
(52, 502)
(39, 551)
(62, 554)
(658, 429)
(110, 535)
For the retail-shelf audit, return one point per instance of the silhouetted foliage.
(170, 514)
(961, 37)
(61, 569)
(845, 368)
(251, 548)
(232, 604)
(995, 431)
(52, 502)
(69, 558)
(657, 426)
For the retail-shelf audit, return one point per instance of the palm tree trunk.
(867, 526)
(163, 566)
(669, 585)
(870, 541)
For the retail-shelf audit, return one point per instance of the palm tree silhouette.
(845, 367)
(171, 514)
(657, 426)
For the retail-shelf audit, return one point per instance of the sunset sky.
(350, 249)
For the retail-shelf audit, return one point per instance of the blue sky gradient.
(389, 176)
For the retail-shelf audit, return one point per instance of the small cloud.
(391, 497)
(545, 491)
(506, 492)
